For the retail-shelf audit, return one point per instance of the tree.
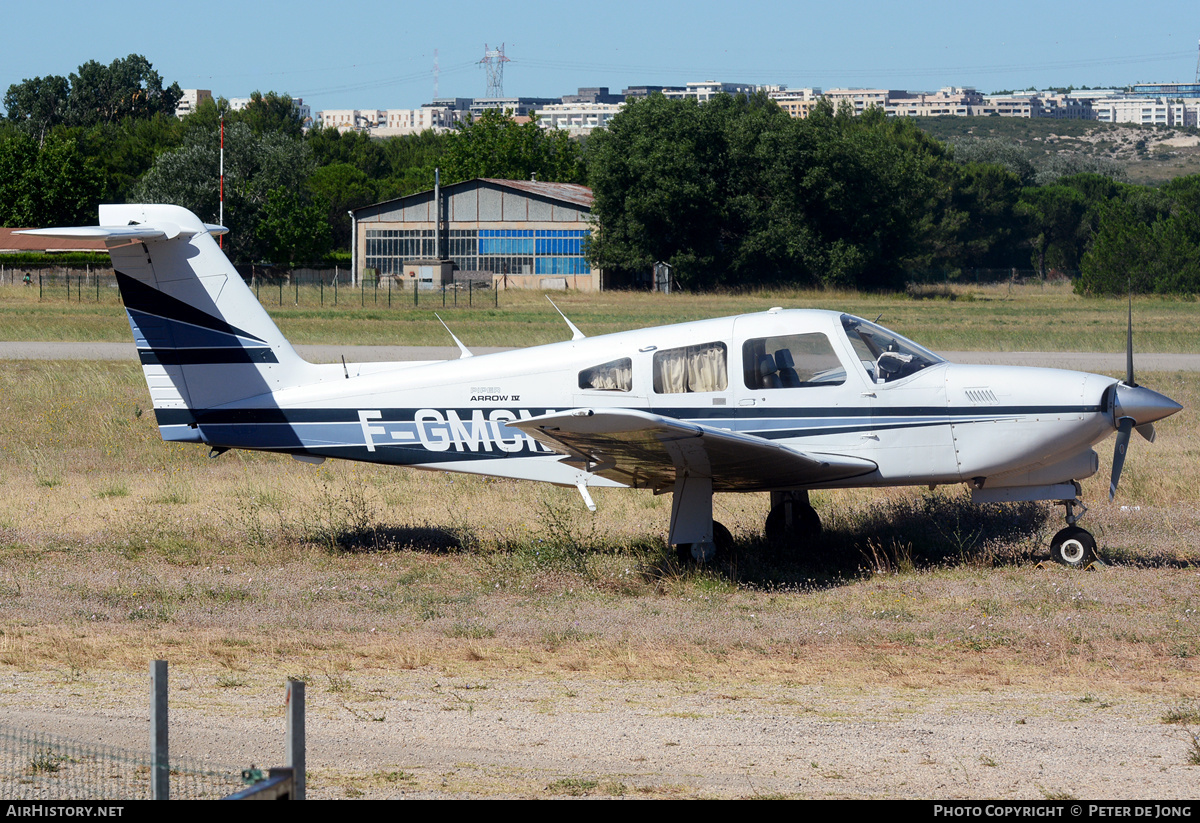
(734, 192)
(293, 230)
(338, 188)
(496, 145)
(38, 105)
(1146, 241)
(51, 184)
(271, 113)
(255, 166)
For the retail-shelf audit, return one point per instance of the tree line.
(733, 193)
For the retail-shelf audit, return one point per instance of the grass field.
(1001, 317)
(116, 547)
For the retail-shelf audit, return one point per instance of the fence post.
(295, 736)
(160, 766)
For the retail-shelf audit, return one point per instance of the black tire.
(806, 527)
(1073, 547)
(722, 541)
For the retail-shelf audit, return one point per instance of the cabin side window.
(791, 361)
(699, 368)
(615, 375)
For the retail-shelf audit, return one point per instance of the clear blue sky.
(373, 54)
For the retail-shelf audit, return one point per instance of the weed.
(892, 559)
(470, 632)
(1193, 749)
(337, 682)
(1184, 713)
(113, 490)
(573, 786)
(228, 681)
(46, 761)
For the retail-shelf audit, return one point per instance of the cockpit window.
(616, 375)
(885, 355)
(690, 369)
(791, 361)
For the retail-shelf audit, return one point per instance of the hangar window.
(699, 368)
(791, 361)
(616, 375)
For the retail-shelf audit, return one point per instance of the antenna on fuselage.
(465, 351)
(576, 334)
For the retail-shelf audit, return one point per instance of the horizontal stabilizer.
(142, 233)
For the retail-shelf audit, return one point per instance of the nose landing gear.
(1073, 546)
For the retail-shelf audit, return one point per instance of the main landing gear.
(792, 521)
(1073, 546)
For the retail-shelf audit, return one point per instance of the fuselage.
(818, 381)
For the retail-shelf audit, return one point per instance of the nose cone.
(1141, 404)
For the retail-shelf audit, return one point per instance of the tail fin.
(202, 336)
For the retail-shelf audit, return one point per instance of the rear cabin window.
(699, 368)
(615, 375)
(792, 361)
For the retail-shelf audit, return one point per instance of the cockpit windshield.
(885, 355)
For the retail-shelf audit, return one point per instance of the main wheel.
(805, 528)
(721, 549)
(1074, 547)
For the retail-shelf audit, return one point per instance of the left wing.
(646, 450)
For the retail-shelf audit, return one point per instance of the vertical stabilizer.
(202, 336)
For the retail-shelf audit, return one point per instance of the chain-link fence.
(40, 766)
(297, 288)
(988, 276)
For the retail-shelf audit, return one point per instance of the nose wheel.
(1073, 546)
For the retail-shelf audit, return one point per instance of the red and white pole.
(221, 217)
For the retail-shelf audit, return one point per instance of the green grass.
(995, 318)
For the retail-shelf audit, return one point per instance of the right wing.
(646, 450)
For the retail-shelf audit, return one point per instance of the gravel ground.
(423, 734)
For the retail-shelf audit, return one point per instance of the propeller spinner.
(1134, 407)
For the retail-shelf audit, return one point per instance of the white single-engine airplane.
(782, 401)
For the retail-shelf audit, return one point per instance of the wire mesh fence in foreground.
(41, 766)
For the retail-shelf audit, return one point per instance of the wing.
(646, 450)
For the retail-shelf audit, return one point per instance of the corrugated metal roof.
(570, 192)
(24, 242)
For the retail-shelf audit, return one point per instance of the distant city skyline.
(367, 54)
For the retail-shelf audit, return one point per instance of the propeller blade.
(1129, 346)
(1146, 430)
(1123, 431)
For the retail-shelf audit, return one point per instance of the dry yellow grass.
(115, 547)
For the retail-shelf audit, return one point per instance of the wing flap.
(647, 450)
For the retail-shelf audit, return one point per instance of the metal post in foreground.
(160, 766)
(295, 736)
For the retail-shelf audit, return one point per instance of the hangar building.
(513, 233)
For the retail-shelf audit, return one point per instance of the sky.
(365, 54)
